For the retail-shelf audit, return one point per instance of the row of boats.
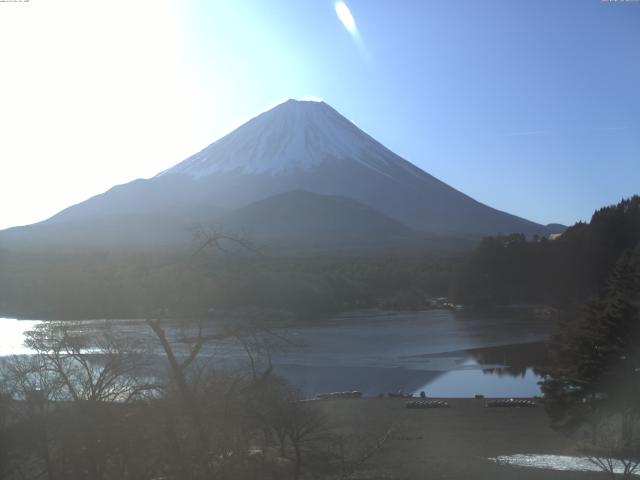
(512, 403)
(351, 394)
(427, 404)
(424, 403)
(508, 403)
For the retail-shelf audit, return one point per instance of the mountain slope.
(108, 232)
(296, 146)
(310, 146)
(307, 221)
(300, 213)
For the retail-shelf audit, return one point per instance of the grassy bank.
(450, 443)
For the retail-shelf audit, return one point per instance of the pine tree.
(597, 358)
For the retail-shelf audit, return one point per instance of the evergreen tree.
(597, 358)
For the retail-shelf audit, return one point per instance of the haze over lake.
(444, 352)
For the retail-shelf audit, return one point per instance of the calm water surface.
(445, 353)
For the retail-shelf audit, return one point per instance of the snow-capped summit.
(296, 135)
(309, 146)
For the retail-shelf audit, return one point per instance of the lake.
(445, 353)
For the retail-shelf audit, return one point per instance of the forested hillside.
(569, 269)
(87, 285)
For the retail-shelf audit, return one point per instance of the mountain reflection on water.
(500, 371)
(465, 354)
(514, 360)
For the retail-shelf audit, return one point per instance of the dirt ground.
(450, 443)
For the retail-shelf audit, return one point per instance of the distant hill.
(304, 220)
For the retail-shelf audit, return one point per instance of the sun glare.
(344, 14)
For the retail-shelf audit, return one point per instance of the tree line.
(56, 285)
(568, 270)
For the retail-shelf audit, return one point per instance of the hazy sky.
(532, 107)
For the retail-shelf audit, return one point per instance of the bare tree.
(96, 366)
(353, 460)
(302, 423)
(611, 464)
(614, 453)
(5, 415)
(70, 393)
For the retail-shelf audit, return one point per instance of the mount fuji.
(298, 172)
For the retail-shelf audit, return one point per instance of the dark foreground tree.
(596, 380)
